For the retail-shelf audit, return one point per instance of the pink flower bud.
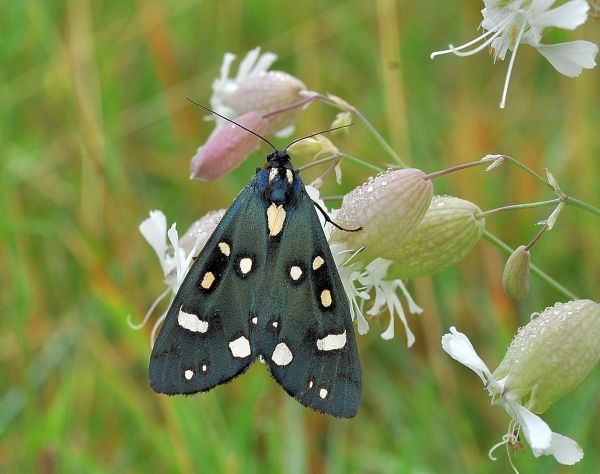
(227, 147)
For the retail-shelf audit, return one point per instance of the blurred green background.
(96, 131)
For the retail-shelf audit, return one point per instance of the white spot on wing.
(207, 280)
(310, 383)
(275, 219)
(191, 322)
(318, 262)
(332, 342)
(254, 320)
(289, 175)
(282, 354)
(225, 248)
(275, 324)
(326, 298)
(272, 174)
(188, 374)
(240, 347)
(295, 273)
(323, 392)
(245, 265)
(204, 367)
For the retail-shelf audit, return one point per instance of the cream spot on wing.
(245, 265)
(275, 324)
(318, 262)
(204, 367)
(282, 354)
(295, 273)
(272, 174)
(323, 392)
(326, 298)
(225, 248)
(332, 342)
(275, 219)
(189, 374)
(191, 322)
(290, 176)
(254, 320)
(311, 383)
(208, 280)
(240, 347)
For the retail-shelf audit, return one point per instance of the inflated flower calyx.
(267, 92)
(516, 273)
(446, 234)
(387, 208)
(551, 354)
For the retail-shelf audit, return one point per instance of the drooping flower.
(227, 147)
(387, 208)
(510, 23)
(445, 235)
(256, 89)
(547, 359)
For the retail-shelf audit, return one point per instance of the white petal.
(536, 431)
(247, 64)
(570, 58)
(263, 64)
(565, 450)
(458, 346)
(154, 230)
(569, 15)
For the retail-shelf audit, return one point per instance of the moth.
(264, 286)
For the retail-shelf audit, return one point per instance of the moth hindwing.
(265, 284)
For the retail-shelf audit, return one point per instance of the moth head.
(277, 177)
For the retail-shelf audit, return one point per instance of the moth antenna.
(318, 133)
(234, 122)
(328, 219)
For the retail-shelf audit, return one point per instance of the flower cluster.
(509, 23)
(407, 231)
(546, 360)
(265, 102)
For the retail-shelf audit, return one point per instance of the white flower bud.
(516, 273)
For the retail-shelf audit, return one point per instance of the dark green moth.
(264, 286)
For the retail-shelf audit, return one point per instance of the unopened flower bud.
(551, 354)
(445, 235)
(387, 208)
(343, 119)
(227, 147)
(516, 273)
(313, 148)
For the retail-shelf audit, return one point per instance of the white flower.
(175, 261)
(508, 23)
(537, 433)
(251, 66)
(360, 281)
(254, 88)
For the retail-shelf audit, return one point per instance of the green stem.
(534, 269)
(362, 163)
(513, 207)
(583, 205)
(349, 108)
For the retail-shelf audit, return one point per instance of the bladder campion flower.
(510, 23)
(547, 358)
